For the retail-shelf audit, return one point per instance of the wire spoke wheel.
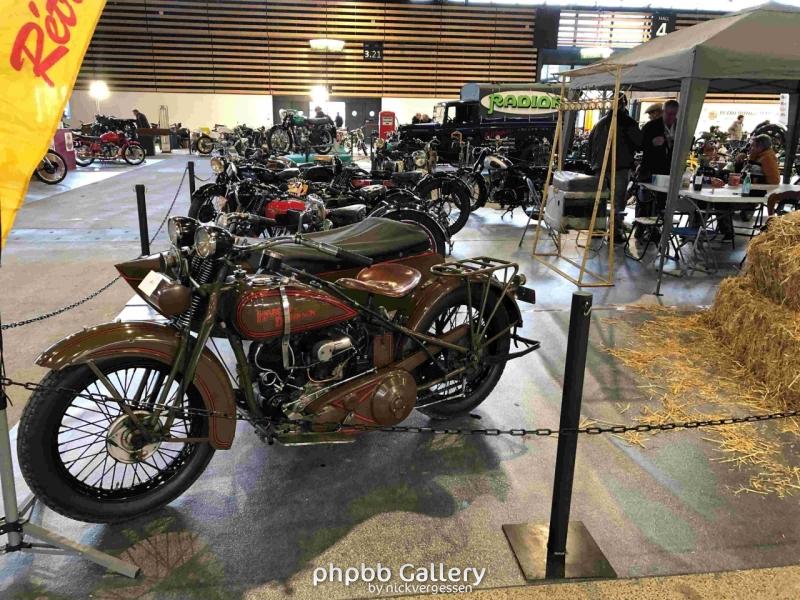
(52, 168)
(103, 463)
(476, 376)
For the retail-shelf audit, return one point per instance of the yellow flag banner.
(43, 44)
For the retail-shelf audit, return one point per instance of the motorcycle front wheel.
(204, 145)
(83, 155)
(477, 188)
(52, 169)
(448, 199)
(279, 140)
(85, 458)
(323, 141)
(465, 391)
(133, 154)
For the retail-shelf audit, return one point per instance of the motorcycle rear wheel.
(463, 393)
(133, 154)
(324, 142)
(79, 455)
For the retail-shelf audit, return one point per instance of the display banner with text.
(43, 43)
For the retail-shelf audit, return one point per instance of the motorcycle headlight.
(211, 241)
(217, 165)
(181, 231)
(419, 158)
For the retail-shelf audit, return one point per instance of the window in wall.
(604, 29)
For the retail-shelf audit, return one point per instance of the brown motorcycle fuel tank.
(259, 308)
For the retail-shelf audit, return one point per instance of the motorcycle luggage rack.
(478, 268)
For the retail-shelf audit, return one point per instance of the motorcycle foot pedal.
(525, 294)
(309, 438)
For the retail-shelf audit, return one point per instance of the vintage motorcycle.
(339, 332)
(109, 146)
(299, 133)
(510, 183)
(52, 169)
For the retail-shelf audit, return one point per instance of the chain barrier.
(489, 432)
(207, 179)
(102, 289)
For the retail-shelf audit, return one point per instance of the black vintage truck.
(524, 115)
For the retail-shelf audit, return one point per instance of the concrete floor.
(261, 519)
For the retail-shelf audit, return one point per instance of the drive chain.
(491, 432)
(102, 289)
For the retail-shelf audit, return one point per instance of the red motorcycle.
(110, 146)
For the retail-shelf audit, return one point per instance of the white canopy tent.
(752, 51)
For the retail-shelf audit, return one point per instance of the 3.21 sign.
(373, 51)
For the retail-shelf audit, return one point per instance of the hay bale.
(760, 334)
(773, 261)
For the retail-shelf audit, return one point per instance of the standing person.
(141, 119)
(658, 139)
(655, 111)
(148, 142)
(416, 118)
(339, 121)
(736, 130)
(629, 140)
(319, 113)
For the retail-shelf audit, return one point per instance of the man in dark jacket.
(148, 142)
(658, 137)
(629, 140)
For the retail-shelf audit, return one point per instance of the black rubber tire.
(46, 475)
(82, 162)
(324, 142)
(456, 190)
(489, 376)
(61, 164)
(436, 234)
(204, 145)
(477, 186)
(284, 149)
(134, 154)
(201, 202)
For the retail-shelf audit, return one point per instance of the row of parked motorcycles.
(296, 133)
(320, 196)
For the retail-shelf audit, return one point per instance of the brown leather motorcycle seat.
(379, 239)
(384, 279)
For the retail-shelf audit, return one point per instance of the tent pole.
(693, 91)
(792, 135)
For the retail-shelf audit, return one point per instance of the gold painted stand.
(557, 153)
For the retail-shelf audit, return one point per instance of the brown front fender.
(158, 342)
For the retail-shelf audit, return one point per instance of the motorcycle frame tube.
(158, 342)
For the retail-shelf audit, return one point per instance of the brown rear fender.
(158, 342)
(428, 294)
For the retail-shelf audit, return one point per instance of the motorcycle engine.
(317, 359)
(109, 150)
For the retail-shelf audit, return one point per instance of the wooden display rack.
(557, 152)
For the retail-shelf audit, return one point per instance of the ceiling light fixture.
(326, 45)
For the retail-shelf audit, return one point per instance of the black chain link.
(490, 432)
(99, 291)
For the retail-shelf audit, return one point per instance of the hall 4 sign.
(662, 24)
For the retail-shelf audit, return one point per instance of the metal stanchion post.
(190, 166)
(564, 549)
(141, 205)
(16, 526)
